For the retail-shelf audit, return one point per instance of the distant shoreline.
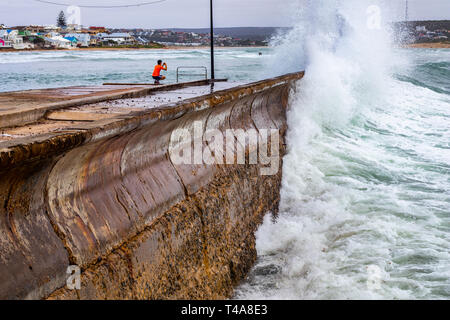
(130, 49)
(438, 45)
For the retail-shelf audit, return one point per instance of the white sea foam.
(118, 55)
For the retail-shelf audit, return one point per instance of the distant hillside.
(250, 33)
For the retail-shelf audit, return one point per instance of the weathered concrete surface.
(23, 107)
(105, 195)
(76, 109)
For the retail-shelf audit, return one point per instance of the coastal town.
(424, 35)
(429, 31)
(72, 36)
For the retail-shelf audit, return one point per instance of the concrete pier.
(86, 179)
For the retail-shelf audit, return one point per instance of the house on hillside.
(119, 38)
(421, 29)
(73, 40)
(141, 40)
(34, 30)
(51, 28)
(25, 33)
(96, 30)
(52, 34)
(11, 39)
(72, 26)
(58, 42)
(4, 39)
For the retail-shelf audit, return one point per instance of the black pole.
(212, 41)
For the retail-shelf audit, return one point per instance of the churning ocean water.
(47, 69)
(365, 199)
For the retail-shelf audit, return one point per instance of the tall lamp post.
(407, 12)
(212, 41)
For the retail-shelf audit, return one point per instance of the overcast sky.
(189, 13)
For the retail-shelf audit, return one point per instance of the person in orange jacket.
(157, 71)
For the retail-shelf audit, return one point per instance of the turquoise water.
(366, 191)
(366, 181)
(34, 70)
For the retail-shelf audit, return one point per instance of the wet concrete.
(62, 119)
(24, 107)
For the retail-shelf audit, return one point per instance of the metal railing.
(205, 74)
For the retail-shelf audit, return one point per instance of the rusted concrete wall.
(109, 198)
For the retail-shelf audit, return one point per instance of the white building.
(142, 40)
(76, 27)
(119, 38)
(51, 27)
(59, 42)
(52, 34)
(4, 40)
(421, 29)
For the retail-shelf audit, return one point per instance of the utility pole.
(407, 12)
(212, 41)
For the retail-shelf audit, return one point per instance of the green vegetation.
(61, 21)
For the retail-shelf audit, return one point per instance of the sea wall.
(109, 198)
